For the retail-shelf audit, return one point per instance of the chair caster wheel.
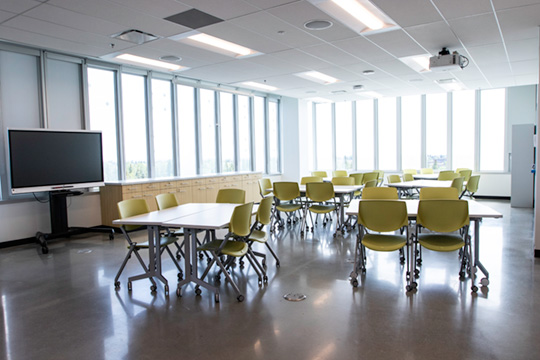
(216, 298)
(166, 290)
(198, 291)
(265, 279)
(153, 288)
(129, 285)
(474, 288)
(117, 285)
(354, 283)
(179, 291)
(240, 298)
(484, 282)
(180, 277)
(278, 264)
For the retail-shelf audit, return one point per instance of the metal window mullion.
(354, 136)
(333, 122)
(174, 128)
(507, 150)
(399, 137)
(477, 129)
(314, 130)
(449, 132)
(252, 132)
(198, 145)
(85, 97)
(279, 114)
(43, 90)
(120, 127)
(149, 127)
(267, 135)
(236, 132)
(217, 131)
(423, 132)
(376, 133)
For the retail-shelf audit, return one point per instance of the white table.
(425, 176)
(477, 212)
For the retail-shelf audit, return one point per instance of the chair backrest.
(264, 212)
(393, 179)
(165, 201)
(132, 207)
(382, 215)
(370, 183)
(321, 191)
(472, 184)
(310, 179)
(466, 173)
(358, 177)
(380, 193)
(458, 183)
(408, 177)
(322, 174)
(265, 187)
(370, 176)
(337, 173)
(343, 180)
(429, 193)
(240, 224)
(447, 175)
(286, 190)
(231, 196)
(380, 175)
(426, 171)
(410, 171)
(443, 215)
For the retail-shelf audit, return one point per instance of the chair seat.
(163, 241)
(441, 242)
(231, 248)
(288, 207)
(382, 242)
(322, 209)
(259, 236)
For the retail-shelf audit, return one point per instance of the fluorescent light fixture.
(371, 94)
(450, 84)
(259, 85)
(151, 62)
(360, 13)
(222, 44)
(419, 63)
(317, 77)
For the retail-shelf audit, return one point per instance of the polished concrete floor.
(63, 305)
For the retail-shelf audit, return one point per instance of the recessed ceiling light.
(317, 77)
(170, 58)
(135, 36)
(419, 63)
(360, 13)
(358, 87)
(259, 85)
(368, 72)
(213, 41)
(318, 24)
(338, 92)
(450, 84)
(151, 62)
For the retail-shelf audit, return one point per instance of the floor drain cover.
(294, 297)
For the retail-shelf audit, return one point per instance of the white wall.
(290, 138)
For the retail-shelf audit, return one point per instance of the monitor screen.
(49, 160)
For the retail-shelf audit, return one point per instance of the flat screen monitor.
(52, 160)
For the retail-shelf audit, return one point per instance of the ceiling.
(499, 37)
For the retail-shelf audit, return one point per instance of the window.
(436, 131)
(387, 129)
(324, 135)
(260, 134)
(411, 132)
(463, 124)
(163, 129)
(365, 146)
(102, 108)
(244, 134)
(344, 136)
(492, 126)
(207, 106)
(273, 137)
(226, 113)
(134, 126)
(187, 146)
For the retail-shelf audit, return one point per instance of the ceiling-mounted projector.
(447, 62)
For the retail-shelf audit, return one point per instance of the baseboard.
(537, 253)
(10, 243)
(488, 197)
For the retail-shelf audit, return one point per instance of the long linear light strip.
(222, 44)
(361, 13)
(151, 62)
(259, 85)
(321, 77)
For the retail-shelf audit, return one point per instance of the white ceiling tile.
(411, 12)
(487, 54)
(232, 71)
(520, 50)
(505, 4)
(477, 30)
(398, 43)
(395, 67)
(452, 9)
(521, 80)
(433, 37)
(301, 58)
(363, 48)
(267, 4)
(330, 54)
(520, 23)
(18, 6)
(196, 56)
(5, 15)
(273, 62)
(225, 10)
(525, 67)
(157, 8)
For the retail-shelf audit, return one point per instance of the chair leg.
(273, 253)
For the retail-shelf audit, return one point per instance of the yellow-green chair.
(377, 218)
(307, 179)
(321, 174)
(263, 218)
(358, 178)
(410, 171)
(338, 173)
(133, 207)
(458, 184)
(447, 175)
(265, 187)
(408, 177)
(370, 176)
(466, 173)
(431, 193)
(448, 221)
(393, 179)
(380, 193)
(165, 201)
(380, 176)
(371, 183)
(234, 245)
(426, 171)
(472, 186)
(231, 196)
(320, 200)
(285, 194)
(343, 180)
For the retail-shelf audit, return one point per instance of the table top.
(476, 210)
(339, 189)
(425, 176)
(415, 184)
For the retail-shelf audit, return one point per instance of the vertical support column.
(536, 197)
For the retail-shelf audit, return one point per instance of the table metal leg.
(154, 265)
(477, 262)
